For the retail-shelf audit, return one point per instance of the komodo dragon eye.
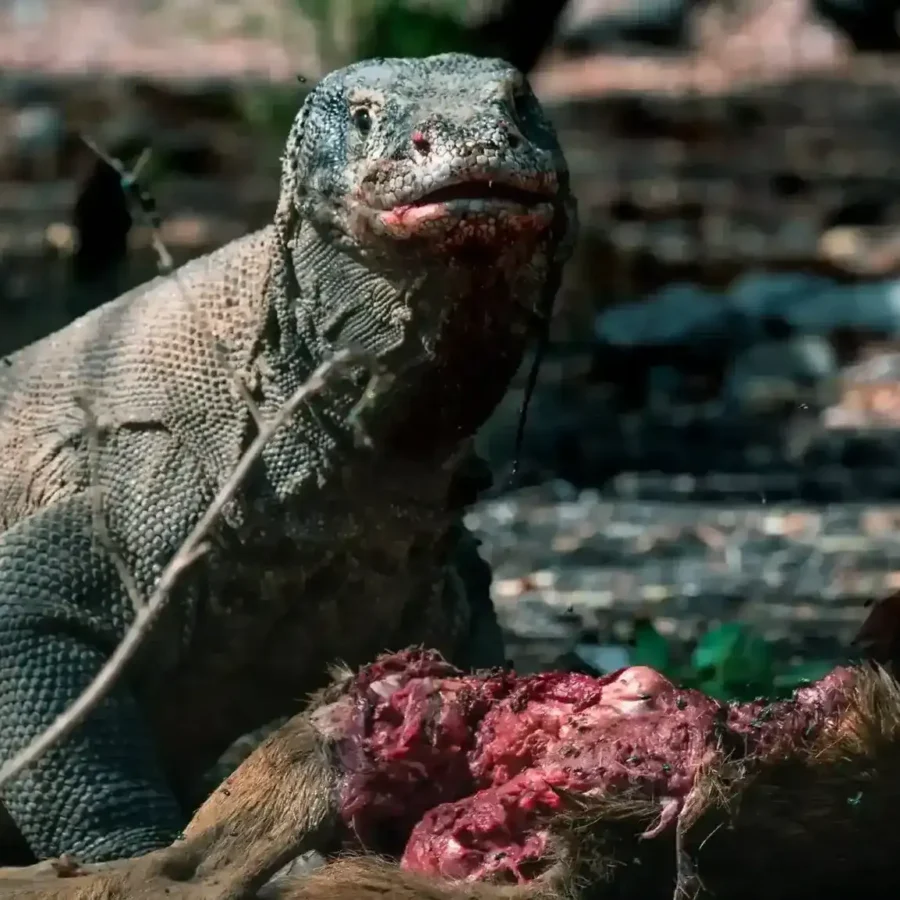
(362, 120)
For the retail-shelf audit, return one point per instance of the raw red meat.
(462, 773)
(574, 732)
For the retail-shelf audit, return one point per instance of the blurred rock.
(769, 35)
(788, 382)
(678, 314)
(869, 395)
(573, 568)
(756, 303)
(31, 141)
(773, 376)
(603, 658)
(29, 12)
(36, 129)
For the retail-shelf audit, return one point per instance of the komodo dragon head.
(425, 212)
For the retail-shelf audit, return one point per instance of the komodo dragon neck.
(451, 339)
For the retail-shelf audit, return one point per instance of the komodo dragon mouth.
(524, 205)
(484, 190)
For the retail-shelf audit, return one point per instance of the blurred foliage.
(394, 28)
(387, 28)
(728, 662)
(270, 110)
(376, 28)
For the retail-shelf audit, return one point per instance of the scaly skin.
(332, 550)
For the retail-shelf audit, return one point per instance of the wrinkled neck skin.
(450, 332)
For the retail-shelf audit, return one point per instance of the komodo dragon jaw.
(438, 193)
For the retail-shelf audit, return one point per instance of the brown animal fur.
(821, 821)
(808, 822)
(276, 806)
(358, 878)
(166, 873)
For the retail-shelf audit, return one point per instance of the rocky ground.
(577, 568)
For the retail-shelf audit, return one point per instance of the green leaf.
(716, 646)
(684, 676)
(397, 29)
(650, 648)
(748, 672)
(801, 673)
(736, 661)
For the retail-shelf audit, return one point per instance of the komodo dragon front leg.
(102, 792)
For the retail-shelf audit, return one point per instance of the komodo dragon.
(424, 214)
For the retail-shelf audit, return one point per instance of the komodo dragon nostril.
(420, 142)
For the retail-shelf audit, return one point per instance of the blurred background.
(711, 476)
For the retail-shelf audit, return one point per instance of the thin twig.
(166, 265)
(687, 881)
(193, 547)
